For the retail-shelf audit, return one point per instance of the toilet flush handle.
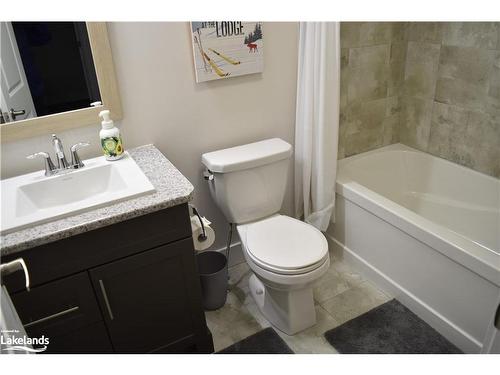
(207, 175)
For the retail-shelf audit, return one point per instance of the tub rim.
(480, 259)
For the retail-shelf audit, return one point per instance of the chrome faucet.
(62, 162)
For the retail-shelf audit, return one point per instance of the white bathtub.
(426, 230)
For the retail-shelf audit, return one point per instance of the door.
(15, 95)
(151, 301)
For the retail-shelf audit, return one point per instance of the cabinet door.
(151, 301)
(92, 339)
(58, 307)
(66, 312)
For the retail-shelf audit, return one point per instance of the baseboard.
(437, 321)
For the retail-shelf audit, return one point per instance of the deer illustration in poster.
(224, 49)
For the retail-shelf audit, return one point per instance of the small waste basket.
(213, 276)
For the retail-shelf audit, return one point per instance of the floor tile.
(347, 273)
(341, 294)
(354, 302)
(238, 282)
(311, 340)
(329, 285)
(231, 323)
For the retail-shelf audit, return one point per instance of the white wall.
(163, 105)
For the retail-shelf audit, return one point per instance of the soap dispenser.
(111, 140)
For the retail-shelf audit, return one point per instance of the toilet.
(286, 255)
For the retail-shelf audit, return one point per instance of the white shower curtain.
(317, 122)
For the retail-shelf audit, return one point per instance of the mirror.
(47, 68)
(54, 76)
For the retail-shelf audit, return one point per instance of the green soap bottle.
(111, 140)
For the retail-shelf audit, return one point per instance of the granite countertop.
(172, 188)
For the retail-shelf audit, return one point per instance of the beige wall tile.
(373, 33)
(366, 115)
(482, 138)
(494, 78)
(420, 80)
(398, 51)
(391, 130)
(498, 35)
(359, 34)
(396, 78)
(372, 69)
(422, 52)
(393, 106)
(471, 34)
(472, 65)
(415, 124)
(425, 31)
(440, 83)
(372, 56)
(344, 57)
(448, 126)
(349, 34)
(367, 83)
(461, 93)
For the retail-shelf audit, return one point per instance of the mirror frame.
(108, 87)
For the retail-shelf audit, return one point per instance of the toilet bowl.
(286, 255)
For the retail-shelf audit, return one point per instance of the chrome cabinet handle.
(56, 315)
(15, 265)
(106, 300)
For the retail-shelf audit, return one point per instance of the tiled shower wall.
(372, 68)
(451, 94)
(442, 91)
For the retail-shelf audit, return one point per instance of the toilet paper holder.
(203, 236)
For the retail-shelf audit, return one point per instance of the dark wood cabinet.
(139, 293)
(147, 300)
(92, 339)
(58, 307)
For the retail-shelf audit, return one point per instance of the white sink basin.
(33, 198)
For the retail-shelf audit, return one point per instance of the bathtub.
(427, 231)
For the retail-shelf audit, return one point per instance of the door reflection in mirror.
(56, 63)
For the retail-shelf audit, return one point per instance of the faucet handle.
(75, 159)
(36, 154)
(49, 166)
(79, 145)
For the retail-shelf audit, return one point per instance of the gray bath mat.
(266, 341)
(388, 329)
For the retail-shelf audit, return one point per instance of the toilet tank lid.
(247, 156)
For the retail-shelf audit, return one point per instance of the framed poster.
(223, 49)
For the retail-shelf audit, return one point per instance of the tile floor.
(340, 295)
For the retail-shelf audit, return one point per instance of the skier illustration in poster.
(224, 49)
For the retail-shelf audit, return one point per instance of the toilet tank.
(249, 181)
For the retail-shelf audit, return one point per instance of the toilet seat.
(284, 245)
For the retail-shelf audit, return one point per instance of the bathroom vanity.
(119, 278)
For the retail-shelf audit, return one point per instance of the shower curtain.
(317, 122)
